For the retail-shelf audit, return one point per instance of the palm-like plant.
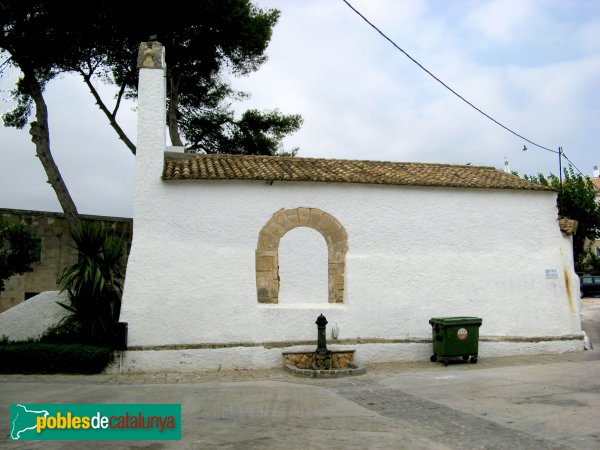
(94, 284)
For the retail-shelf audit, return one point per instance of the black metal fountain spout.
(322, 359)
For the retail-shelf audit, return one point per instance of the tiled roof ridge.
(193, 166)
(179, 155)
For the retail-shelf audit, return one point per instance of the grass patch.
(43, 357)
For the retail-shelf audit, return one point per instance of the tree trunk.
(40, 136)
(173, 112)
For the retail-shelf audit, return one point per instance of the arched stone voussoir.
(267, 257)
(267, 240)
(283, 221)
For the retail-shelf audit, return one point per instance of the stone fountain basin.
(301, 364)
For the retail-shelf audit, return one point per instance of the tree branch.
(107, 113)
(119, 97)
(5, 64)
(173, 112)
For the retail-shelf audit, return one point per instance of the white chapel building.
(234, 256)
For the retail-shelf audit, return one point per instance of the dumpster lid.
(455, 321)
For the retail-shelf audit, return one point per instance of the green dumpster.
(455, 337)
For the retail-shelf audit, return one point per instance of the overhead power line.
(572, 163)
(448, 87)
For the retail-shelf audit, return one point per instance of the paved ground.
(539, 402)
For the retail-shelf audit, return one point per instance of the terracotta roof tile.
(186, 166)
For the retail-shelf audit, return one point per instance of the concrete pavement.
(526, 402)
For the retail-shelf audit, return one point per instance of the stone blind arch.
(267, 250)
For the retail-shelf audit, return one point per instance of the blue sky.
(533, 65)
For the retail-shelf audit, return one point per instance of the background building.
(56, 251)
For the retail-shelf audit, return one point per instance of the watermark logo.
(95, 421)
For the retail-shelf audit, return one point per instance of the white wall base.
(504, 348)
(267, 357)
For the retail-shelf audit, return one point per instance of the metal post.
(560, 185)
(560, 164)
(321, 334)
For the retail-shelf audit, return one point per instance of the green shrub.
(42, 357)
(94, 285)
(18, 247)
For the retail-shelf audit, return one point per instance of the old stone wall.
(57, 251)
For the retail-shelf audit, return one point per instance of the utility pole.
(560, 185)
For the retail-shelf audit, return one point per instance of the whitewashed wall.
(414, 253)
(303, 267)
